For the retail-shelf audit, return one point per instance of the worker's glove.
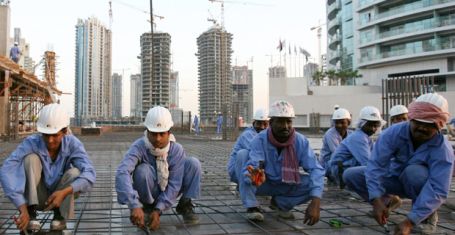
(256, 175)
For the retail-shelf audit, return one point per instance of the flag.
(305, 53)
(280, 45)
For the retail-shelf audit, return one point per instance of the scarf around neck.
(162, 166)
(289, 165)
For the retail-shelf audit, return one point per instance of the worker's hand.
(154, 220)
(312, 212)
(137, 217)
(56, 198)
(380, 213)
(23, 219)
(257, 175)
(404, 228)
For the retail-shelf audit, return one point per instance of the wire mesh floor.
(219, 208)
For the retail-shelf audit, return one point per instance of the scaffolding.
(22, 95)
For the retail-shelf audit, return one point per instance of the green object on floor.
(337, 223)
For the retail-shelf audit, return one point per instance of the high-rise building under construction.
(155, 88)
(242, 88)
(93, 71)
(214, 68)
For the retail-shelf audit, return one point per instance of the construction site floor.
(219, 208)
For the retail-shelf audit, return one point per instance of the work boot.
(33, 225)
(186, 209)
(58, 222)
(428, 226)
(254, 214)
(287, 215)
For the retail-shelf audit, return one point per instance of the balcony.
(334, 25)
(335, 6)
(432, 26)
(334, 40)
(444, 45)
(410, 7)
(334, 56)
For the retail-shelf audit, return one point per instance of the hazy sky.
(257, 26)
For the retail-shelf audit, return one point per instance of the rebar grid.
(219, 209)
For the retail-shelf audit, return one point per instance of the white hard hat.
(341, 113)
(16, 43)
(281, 108)
(397, 110)
(261, 115)
(435, 99)
(370, 113)
(158, 119)
(52, 118)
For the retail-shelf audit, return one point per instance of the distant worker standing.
(219, 124)
(239, 154)
(15, 53)
(196, 125)
(398, 113)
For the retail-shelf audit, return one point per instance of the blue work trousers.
(148, 189)
(407, 185)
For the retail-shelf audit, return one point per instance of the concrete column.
(4, 112)
(5, 44)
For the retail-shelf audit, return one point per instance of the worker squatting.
(410, 159)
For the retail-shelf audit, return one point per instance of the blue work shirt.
(330, 142)
(71, 154)
(243, 142)
(262, 150)
(138, 154)
(452, 122)
(394, 151)
(355, 150)
(15, 52)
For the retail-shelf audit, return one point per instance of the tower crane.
(318, 29)
(133, 8)
(237, 2)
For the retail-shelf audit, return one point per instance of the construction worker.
(410, 159)
(398, 113)
(241, 148)
(219, 123)
(196, 125)
(356, 148)
(341, 120)
(272, 169)
(46, 170)
(15, 53)
(155, 171)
